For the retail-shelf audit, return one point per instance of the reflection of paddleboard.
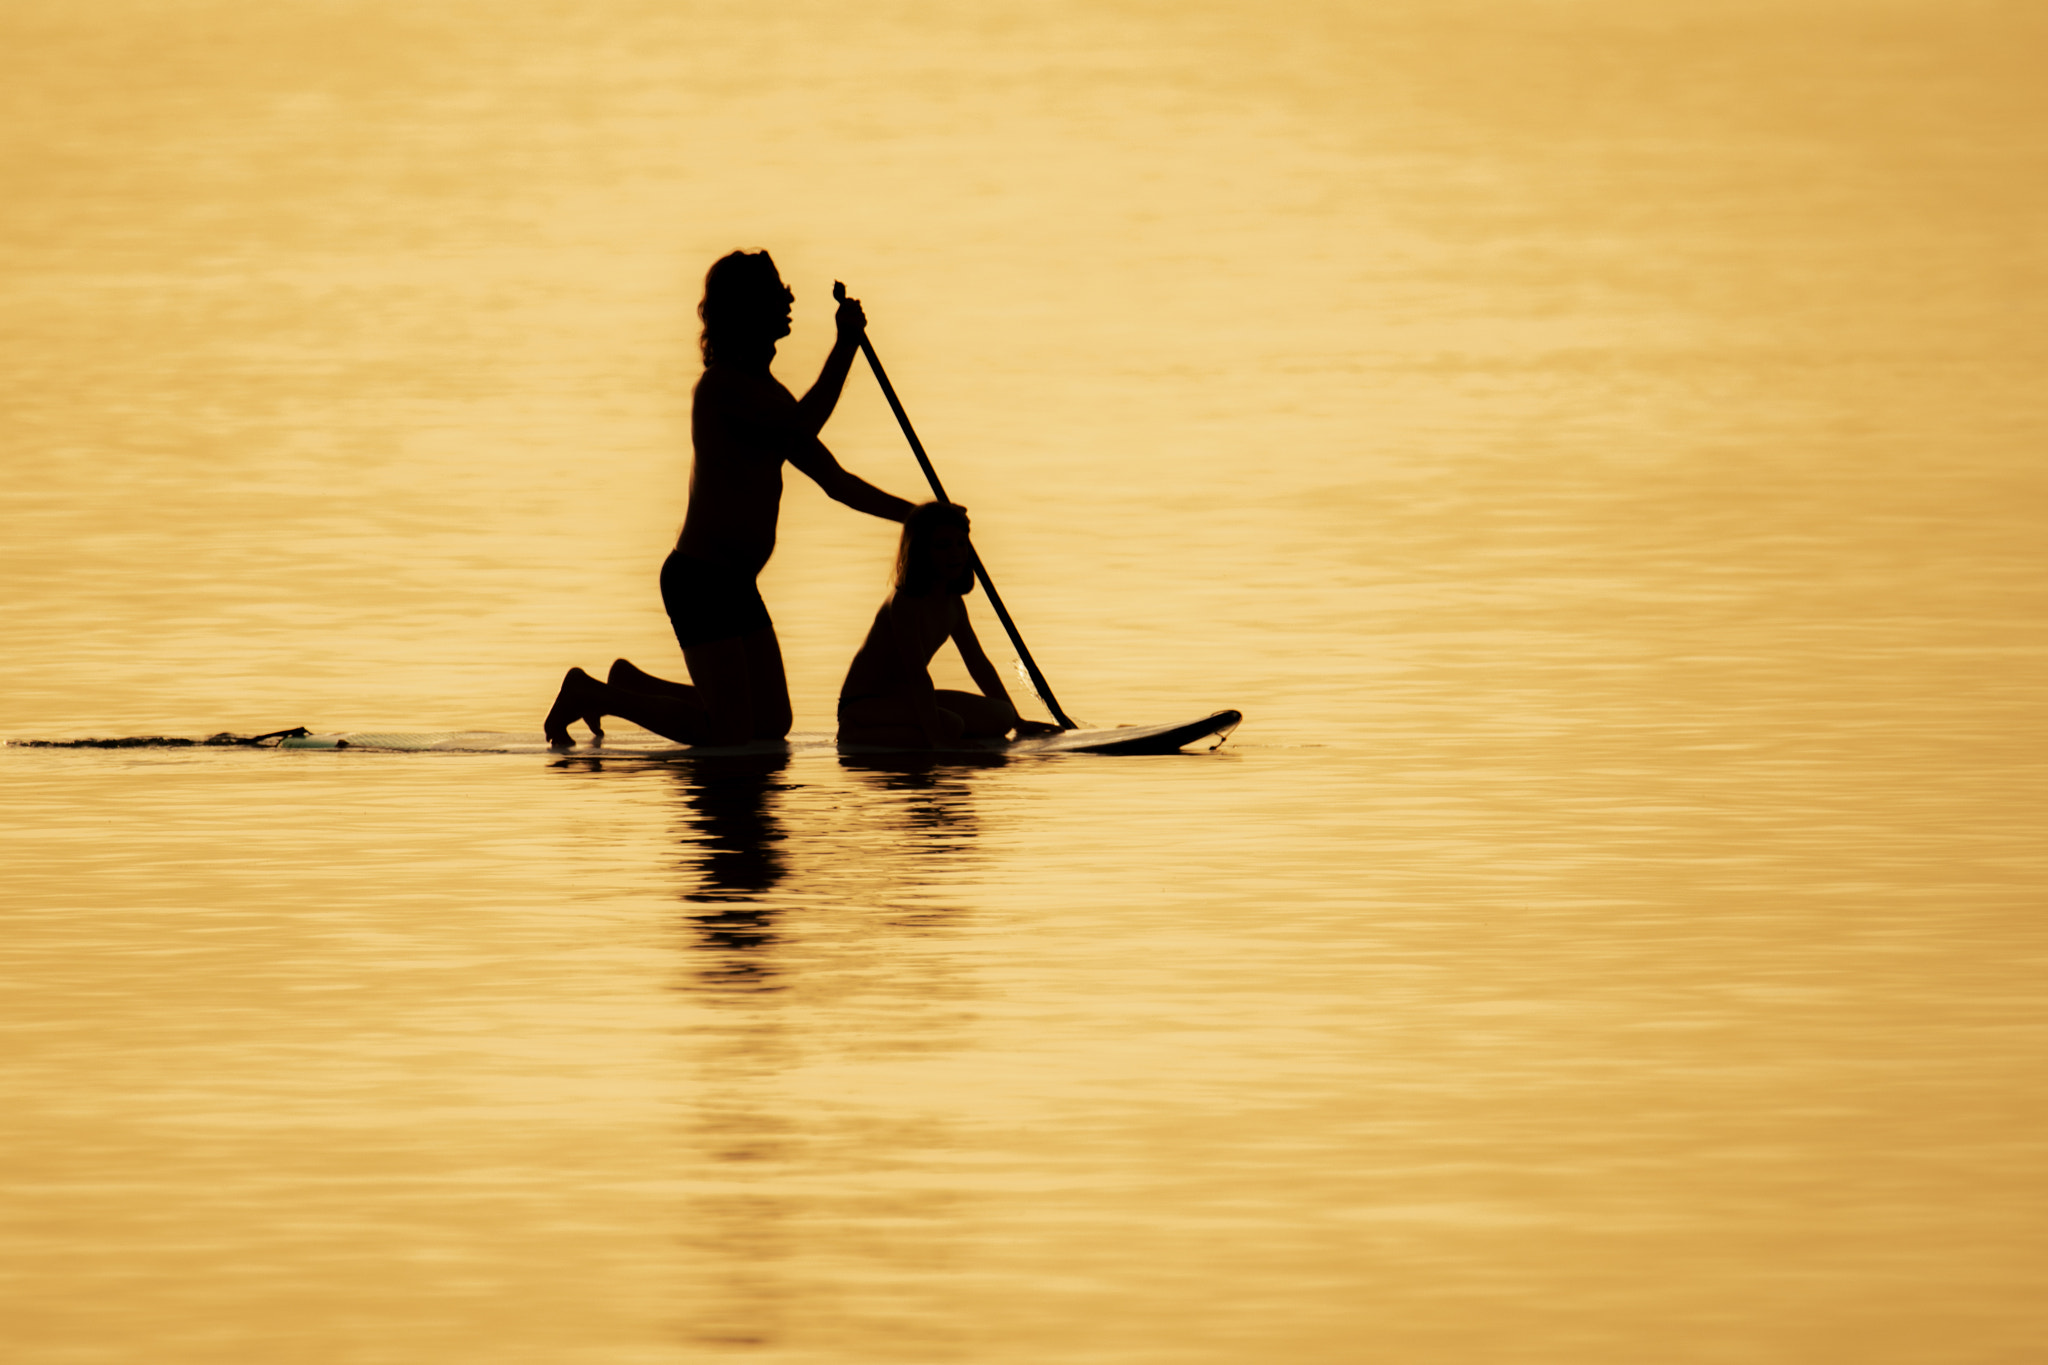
(1129, 739)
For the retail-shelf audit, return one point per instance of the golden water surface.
(1598, 443)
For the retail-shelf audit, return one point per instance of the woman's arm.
(978, 667)
(758, 414)
(842, 485)
(815, 407)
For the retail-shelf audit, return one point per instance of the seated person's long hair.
(916, 575)
(743, 298)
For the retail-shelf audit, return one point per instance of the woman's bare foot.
(578, 700)
(625, 674)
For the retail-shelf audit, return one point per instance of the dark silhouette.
(743, 426)
(888, 697)
(738, 845)
(988, 585)
(735, 848)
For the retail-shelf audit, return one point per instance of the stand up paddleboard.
(1070, 738)
(1126, 739)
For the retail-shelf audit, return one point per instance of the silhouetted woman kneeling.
(743, 426)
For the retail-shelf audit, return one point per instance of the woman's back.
(906, 633)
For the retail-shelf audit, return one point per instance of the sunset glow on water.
(1597, 445)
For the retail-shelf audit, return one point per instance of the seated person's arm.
(980, 669)
(808, 453)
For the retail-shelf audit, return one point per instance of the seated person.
(888, 698)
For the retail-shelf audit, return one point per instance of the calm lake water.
(1598, 445)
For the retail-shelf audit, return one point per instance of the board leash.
(223, 740)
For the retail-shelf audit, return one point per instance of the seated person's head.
(935, 554)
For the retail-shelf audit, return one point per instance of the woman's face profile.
(774, 303)
(949, 552)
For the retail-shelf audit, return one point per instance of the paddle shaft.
(995, 599)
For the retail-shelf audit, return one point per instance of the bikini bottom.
(708, 602)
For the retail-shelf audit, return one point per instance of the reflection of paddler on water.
(888, 697)
(743, 426)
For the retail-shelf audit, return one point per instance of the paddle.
(1038, 682)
